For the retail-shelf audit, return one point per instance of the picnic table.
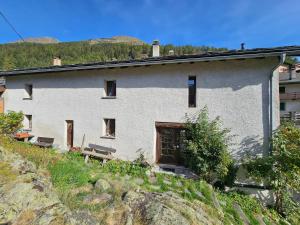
(98, 151)
(25, 137)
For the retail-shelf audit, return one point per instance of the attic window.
(110, 126)
(110, 88)
(28, 91)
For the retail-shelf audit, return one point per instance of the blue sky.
(220, 23)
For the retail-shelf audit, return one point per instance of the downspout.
(281, 62)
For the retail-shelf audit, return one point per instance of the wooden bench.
(44, 142)
(98, 151)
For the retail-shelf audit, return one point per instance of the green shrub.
(281, 169)
(124, 167)
(10, 122)
(68, 173)
(207, 146)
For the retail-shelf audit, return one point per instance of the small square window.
(281, 90)
(28, 91)
(110, 88)
(282, 106)
(27, 122)
(110, 126)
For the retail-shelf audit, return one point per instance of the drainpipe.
(282, 60)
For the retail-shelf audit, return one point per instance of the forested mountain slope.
(26, 55)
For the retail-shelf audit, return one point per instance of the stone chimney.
(56, 61)
(155, 48)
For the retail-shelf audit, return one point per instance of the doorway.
(170, 143)
(70, 133)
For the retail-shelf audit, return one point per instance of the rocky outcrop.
(26, 197)
(167, 208)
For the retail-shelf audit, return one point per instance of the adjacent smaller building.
(289, 90)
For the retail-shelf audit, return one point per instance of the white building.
(140, 105)
(290, 92)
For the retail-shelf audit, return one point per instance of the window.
(192, 91)
(281, 90)
(110, 88)
(27, 122)
(282, 106)
(110, 126)
(28, 91)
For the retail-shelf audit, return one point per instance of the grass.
(6, 173)
(69, 172)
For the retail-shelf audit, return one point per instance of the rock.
(241, 213)
(179, 184)
(102, 185)
(138, 181)
(167, 182)
(94, 199)
(158, 213)
(28, 199)
(84, 217)
(199, 194)
(127, 177)
(132, 198)
(165, 208)
(215, 199)
(86, 188)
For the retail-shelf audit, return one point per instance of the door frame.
(67, 136)
(159, 126)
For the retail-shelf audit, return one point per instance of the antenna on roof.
(242, 46)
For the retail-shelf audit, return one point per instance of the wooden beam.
(169, 125)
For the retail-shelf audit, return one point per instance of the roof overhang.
(230, 55)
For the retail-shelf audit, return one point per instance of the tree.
(207, 146)
(8, 63)
(10, 122)
(281, 169)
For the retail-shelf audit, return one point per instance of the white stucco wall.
(236, 90)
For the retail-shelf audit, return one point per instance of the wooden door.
(169, 145)
(70, 133)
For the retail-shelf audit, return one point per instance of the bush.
(207, 147)
(10, 122)
(281, 169)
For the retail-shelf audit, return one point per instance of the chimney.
(56, 61)
(242, 46)
(155, 48)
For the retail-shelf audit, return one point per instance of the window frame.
(28, 92)
(192, 92)
(29, 120)
(107, 92)
(109, 125)
(282, 87)
(284, 106)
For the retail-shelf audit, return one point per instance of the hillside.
(26, 55)
(54, 188)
